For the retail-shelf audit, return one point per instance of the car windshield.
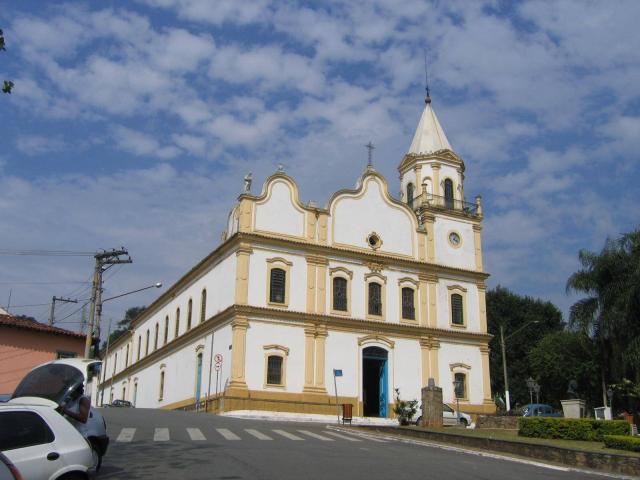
(51, 381)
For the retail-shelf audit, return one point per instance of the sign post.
(218, 367)
(336, 373)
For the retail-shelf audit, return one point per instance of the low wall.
(492, 421)
(608, 462)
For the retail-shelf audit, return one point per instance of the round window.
(374, 241)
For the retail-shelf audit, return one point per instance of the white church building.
(389, 292)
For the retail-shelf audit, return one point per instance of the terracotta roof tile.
(13, 322)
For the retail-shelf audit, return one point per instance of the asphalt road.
(155, 444)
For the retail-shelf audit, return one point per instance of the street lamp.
(457, 389)
(531, 385)
(504, 360)
(536, 388)
(610, 395)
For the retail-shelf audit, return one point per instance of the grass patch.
(512, 436)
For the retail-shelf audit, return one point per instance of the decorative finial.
(280, 167)
(370, 149)
(427, 98)
(247, 182)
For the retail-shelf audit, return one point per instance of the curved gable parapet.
(278, 209)
(368, 208)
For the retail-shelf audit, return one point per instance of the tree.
(560, 357)
(123, 325)
(7, 85)
(610, 313)
(517, 315)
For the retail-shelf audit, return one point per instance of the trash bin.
(347, 412)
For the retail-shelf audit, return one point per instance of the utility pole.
(53, 306)
(103, 258)
(504, 371)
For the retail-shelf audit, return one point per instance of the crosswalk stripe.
(315, 435)
(257, 434)
(227, 434)
(288, 435)
(161, 435)
(195, 434)
(344, 437)
(126, 435)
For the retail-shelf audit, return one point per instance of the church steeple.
(429, 136)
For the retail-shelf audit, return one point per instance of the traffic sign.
(217, 367)
(218, 358)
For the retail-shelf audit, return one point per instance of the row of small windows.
(448, 193)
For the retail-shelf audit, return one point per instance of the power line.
(44, 283)
(73, 313)
(47, 253)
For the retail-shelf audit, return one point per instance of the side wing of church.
(389, 292)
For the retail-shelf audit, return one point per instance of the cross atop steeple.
(370, 149)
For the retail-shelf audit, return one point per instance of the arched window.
(408, 306)
(161, 389)
(155, 338)
(189, 311)
(139, 344)
(177, 329)
(203, 305)
(340, 294)
(126, 358)
(460, 385)
(448, 193)
(375, 299)
(166, 329)
(274, 370)
(457, 313)
(146, 345)
(277, 285)
(115, 363)
(410, 194)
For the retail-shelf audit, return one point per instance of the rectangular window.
(274, 370)
(460, 383)
(408, 308)
(161, 393)
(277, 285)
(457, 317)
(340, 294)
(375, 299)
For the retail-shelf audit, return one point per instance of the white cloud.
(38, 144)
(142, 144)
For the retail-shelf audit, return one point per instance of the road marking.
(344, 437)
(257, 434)
(315, 435)
(227, 434)
(161, 435)
(288, 435)
(126, 435)
(195, 434)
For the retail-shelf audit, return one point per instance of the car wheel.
(463, 422)
(73, 476)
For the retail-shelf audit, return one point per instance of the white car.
(42, 444)
(51, 384)
(449, 417)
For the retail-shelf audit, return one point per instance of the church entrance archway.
(375, 382)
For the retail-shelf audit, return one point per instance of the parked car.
(449, 417)
(51, 384)
(121, 403)
(41, 443)
(8, 471)
(539, 410)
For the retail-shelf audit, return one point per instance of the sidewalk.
(308, 417)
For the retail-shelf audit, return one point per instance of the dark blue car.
(539, 410)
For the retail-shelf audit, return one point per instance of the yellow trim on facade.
(243, 253)
(477, 242)
(239, 327)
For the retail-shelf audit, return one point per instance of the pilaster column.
(311, 286)
(425, 343)
(461, 182)
(309, 357)
(435, 170)
(477, 242)
(321, 337)
(433, 361)
(242, 274)
(424, 300)
(429, 220)
(432, 282)
(486, 379)
(245, 212)
(482, 305)
(239, 327)
(321, 286)
(418, 170)
(323, 219)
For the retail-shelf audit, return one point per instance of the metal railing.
(428, 200)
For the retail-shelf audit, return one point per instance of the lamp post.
(536, 388)
(531, 383)
(457, 387)
(504, 360)
(610, 395)
(99, 312)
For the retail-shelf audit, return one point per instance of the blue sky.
(133, 123)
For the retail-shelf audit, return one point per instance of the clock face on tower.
(454, 239)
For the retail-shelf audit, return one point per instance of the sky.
(133, 123)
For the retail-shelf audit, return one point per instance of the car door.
(448, 415)
(27, 440)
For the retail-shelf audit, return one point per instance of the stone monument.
(573, 407)
(431, 405)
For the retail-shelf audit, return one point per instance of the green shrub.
(405, 410)
(622, 442)
(571, 428)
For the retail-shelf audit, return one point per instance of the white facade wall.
(353, 218)
(260, 335)
(278, 213)
(446, 254)
(451, 354)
